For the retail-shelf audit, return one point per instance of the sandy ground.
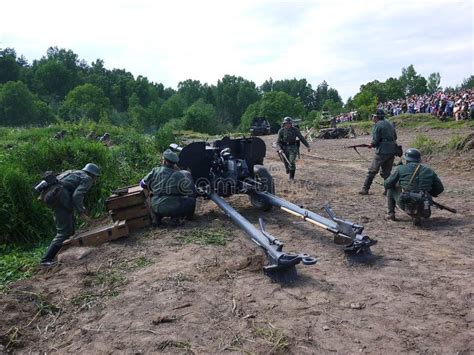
(153, 292)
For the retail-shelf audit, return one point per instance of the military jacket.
(167, 186)
(77, 183)
(424, 180)
(288, 136)
(384, 137)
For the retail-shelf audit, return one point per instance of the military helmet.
(170, 156)
(92, 169)
(287, 119)
(380, 113)
(413, 154)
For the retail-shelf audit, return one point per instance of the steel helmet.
(92, 169)
(170, 156)
(287, 119)
(413, 154)
(380, 113)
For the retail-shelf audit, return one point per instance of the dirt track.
(153, 292)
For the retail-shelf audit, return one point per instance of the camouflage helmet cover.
(287, 119)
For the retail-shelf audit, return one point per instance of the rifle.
(281, 155)
(359, 146)
(442, 207)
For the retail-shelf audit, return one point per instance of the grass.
(18, 263)
(205, 237)
(279, 342)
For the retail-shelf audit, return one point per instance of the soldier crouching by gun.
(287, 143)
(172, 191)
(417, 184)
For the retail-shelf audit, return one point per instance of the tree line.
(61, 86)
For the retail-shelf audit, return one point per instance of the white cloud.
(347, 43)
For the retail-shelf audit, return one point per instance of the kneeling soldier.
(172, 191)
(417, 183)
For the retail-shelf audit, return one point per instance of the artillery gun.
(235, 166)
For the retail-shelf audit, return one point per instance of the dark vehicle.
(260, 127)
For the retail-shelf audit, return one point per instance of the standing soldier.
(417, 183)
(172, 191)
(287, 141)
(384, 139)
(74, 184)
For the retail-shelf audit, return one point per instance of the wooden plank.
(130, 213)
(99, 235)
(138, 223)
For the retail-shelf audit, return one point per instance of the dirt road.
(155, 291)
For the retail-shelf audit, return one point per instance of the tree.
(296, 88)
(366, 103)
(433, 82)
(233, 95)
(201, 117)
(171, 108)
(17, 105)
(9, 67)
(85, 102)
(413, 84)
(191, 91)
(467, 83)
(273, 106)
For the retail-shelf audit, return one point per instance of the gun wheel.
(263, 176)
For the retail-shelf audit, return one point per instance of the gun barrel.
(277, 258)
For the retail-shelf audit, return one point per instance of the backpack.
(49, 189)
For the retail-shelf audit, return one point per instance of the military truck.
(260, 127)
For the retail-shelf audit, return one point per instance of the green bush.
(426, 145)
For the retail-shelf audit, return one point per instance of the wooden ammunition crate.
(126, 197)
(130, 213)
(137, 223)
(99, 235)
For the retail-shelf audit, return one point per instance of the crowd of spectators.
(457, 105)
(346, 117)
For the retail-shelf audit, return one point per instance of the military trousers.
(291, 153)
(382, 163)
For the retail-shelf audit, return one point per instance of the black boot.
(48, 258)
(367, 184)
(292, 174)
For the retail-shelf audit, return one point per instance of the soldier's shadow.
(441, 223)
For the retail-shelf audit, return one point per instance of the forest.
(61, 87)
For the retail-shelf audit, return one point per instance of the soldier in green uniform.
(74, 184)
(417, 183)
(172, 191)
(384, 139)
(287, 141)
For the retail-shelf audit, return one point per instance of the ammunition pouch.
(416, 203)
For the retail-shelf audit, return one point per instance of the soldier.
(287, 141)
(384, 138)
(172, 192)
(417, 183)
(74, 184)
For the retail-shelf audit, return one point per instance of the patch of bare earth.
(155, 292)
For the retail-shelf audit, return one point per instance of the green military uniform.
(287, 141)
(172, 193)
(75, 185)
(424, 180)
(384, 139)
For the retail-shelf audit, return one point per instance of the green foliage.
(205, 237)
(9, 67)
(17, 263)
(366, 103)
(273, 106)
(23, 219)
(17, 105)
(425, 144)
(85, 102)
(467, 83)
(433, 82)
(201, 117)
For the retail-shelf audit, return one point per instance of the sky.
(346, 43)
